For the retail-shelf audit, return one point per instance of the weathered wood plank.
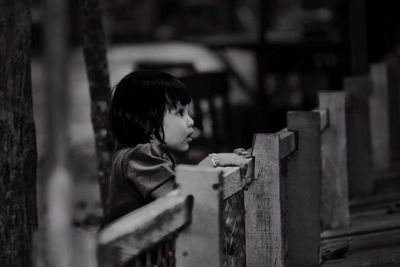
(232, 180)
(304, 190)
(379, 117)
(359, 136)
(235, 179)
(287, 143)
(334, 191)
(264, 204)
(324, 117)
(137, 231)
(201, 244)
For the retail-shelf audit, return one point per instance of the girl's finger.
(240, 151)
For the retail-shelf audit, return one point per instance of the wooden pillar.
(379, 117)
(265, 201)
(304, 190)
(205, 233)
(334, 191)
(359, 137)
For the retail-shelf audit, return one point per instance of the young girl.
(150, 120)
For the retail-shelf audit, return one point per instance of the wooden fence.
(266, 215)
(273, 212)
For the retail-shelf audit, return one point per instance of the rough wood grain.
(304, 190)
(235, 179)
(139, 230)
(358, 135)
(264, 204)
(287, 143)
(201, 244)
(334, 191)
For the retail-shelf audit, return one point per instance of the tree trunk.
(94, 47)
(18, 216)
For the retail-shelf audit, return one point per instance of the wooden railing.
(294, 187)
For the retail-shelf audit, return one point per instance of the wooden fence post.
(379, 117)
(359, 138)
(205, 233)
(265, 202)
(304, 190)
(334, 191)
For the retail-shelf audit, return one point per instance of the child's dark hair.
(139, 103)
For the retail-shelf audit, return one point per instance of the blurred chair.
(211, 112)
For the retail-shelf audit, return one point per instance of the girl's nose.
(190, 122)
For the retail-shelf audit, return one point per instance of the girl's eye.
(180, 112)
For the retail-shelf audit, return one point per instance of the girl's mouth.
(189, 137)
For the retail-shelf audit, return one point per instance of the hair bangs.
(175, 95)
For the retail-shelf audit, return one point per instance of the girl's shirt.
(136, 173)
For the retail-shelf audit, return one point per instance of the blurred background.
(245, 62)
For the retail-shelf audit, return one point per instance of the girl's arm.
(224, 160)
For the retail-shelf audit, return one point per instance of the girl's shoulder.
(141, 151)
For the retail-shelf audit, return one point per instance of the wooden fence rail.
(281, 194)
(294, 187)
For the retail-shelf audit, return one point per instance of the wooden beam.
(287, 143)
(264, 205)
(141, 229)
(201, 244)
(334, 191)
(304, 190)
(358, 89)
(234, 179)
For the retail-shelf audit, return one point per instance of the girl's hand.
(228, 160)
(238, 158)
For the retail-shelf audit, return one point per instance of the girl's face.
(178, 128)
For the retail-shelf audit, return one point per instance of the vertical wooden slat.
(263, 204)
(358, 136)
(304, 190)
(379, 117)
(201, 243)
(334, 191)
